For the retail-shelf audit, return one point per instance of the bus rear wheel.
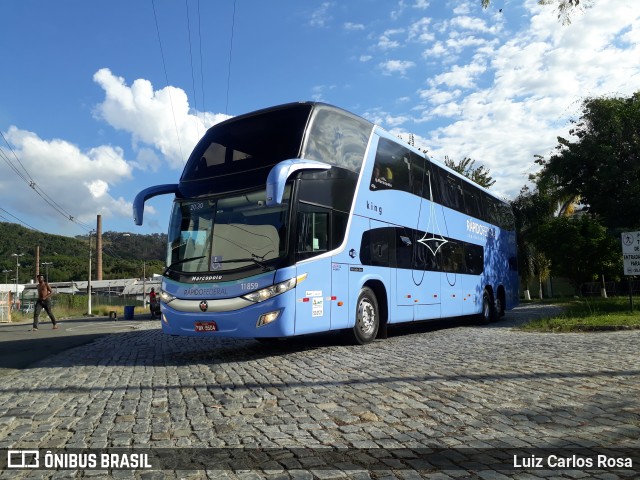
(367, 317)
(488, 309)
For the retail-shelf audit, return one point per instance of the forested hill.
(124, 255)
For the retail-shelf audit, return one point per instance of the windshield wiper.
(184, 260)
(252, 259)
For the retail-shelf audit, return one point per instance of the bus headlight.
(166, 297)
(274, 290)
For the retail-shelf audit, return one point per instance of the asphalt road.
(20, 347)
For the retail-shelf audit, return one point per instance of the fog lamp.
(267, 318)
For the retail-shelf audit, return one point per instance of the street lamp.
(17, 255)
(6, 275)
(46, 269)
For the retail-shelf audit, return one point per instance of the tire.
(367, 322)
(499, 308)
(487, 315)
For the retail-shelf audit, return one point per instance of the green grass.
(78, 312)
(590, 314)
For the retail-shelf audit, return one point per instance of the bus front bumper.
(277, 316)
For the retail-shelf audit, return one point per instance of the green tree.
(124, 255)
(579, 248)
(531, 210)
(541, 267)
(480, 175)
(602, 166)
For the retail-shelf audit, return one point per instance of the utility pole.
(89, 282)
(144, 285)
(17, 269)
(46, 269)
(99, 248)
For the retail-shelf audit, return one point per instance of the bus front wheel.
(367, 317)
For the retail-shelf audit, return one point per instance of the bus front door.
(313, 298)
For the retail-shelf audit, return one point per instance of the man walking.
(44, 301)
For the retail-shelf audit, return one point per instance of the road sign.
(631, 252)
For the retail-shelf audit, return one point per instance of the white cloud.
(155, 118)
(460, 75)
(536, 80)
(97, 188)
(321, 16)
(386, 42)
(438, 97)
(396, 14)
(437, 50)
(77, 180)
(353, 27)
(81, 180)
(385, 119)
(396, 66)
(464, 7)
(475, 24)
(420, 31)
(319, 91)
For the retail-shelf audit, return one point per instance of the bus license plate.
(206, 327)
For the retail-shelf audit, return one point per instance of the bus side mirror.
(147, 193)
(282, 171)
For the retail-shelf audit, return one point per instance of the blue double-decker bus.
(305, 218)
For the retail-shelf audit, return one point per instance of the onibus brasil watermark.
(25, 459)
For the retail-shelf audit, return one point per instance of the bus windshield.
(227, 233)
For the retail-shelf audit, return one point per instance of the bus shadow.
(152, 348)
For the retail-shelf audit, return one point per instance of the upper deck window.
(249, 142)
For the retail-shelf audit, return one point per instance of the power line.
(233, 24)
(193, 78)
(19, 220)
(28, 179)
(16, 157)
(164, 65)
(201, 66)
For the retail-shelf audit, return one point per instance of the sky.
(101, 99)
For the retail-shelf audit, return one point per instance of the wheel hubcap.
(366, 317)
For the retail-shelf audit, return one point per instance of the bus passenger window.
(452, 257)
(453, 190)
(391, 168)
(472, 205)
(375, 247)
(474, 257)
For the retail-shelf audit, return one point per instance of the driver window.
(313, 231)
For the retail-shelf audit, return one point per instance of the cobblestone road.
(486, 387)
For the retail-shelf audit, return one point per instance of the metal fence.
(593, 289)
(5, 307)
